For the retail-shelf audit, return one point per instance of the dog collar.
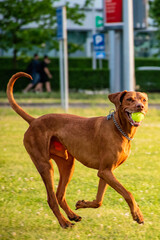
(117, 125)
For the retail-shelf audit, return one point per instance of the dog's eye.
(144, 100)
(129, 99)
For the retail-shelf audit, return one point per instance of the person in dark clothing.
(45, 75)
(33, 70)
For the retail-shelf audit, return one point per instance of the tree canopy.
(25, 24)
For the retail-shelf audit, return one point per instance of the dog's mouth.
(131, 121)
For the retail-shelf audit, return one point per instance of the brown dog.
(102, 143)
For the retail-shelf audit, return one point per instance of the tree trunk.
(14, 58)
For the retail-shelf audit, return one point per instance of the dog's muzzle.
(131, 121)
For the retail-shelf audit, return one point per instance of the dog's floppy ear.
(117, 98)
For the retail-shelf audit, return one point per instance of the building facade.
(145, 39)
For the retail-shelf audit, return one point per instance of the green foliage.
(155, 11)
(17, 17)
(143, 62)
(149, 81)
(155, 14)
(81, 75)
(78, 79)
(15, 20)
(25, 213)
(88, 79)
(80, 63)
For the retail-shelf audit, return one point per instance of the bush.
(143, 62)
(5, 75)
(78, 79)
(88, 79)
(81, 75)
(149, 81)
(22, 63)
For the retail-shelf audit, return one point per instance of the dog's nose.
(140, 106)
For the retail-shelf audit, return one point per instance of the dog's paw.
(137, 216)
(76, 218)
(65, 223)
(81, 204)
(88, 204)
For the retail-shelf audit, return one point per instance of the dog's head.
(130, 102)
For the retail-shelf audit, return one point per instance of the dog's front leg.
(110, 179)
(99, 198)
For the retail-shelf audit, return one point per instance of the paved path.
(72, 105)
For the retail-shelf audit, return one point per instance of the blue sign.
(59, 13)
(100, 55)
(99, 42)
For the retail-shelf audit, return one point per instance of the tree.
(16, 18)
(155, 14)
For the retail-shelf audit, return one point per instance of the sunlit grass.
(24, 212)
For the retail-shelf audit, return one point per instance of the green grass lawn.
(25, 214)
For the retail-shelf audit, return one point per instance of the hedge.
(80, 63)
(143, 62)
(81, 75)
(148, 81)
(78, 79)
(7, 63)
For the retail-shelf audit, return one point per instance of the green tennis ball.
(137, 116)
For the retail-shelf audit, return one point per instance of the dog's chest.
(123, 154)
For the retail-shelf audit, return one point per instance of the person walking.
(45, 75)
(33, 70)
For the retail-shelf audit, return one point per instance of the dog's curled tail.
(11, 99)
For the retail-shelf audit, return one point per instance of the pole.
(115, 60)
(94, 63)
(100, 64)
(112, 59)
(128, 47)
(61, 72)
(65, 62)
(63, 56)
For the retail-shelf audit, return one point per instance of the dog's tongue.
(134, 123)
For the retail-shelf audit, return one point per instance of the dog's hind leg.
(66, 168)
(99, 198)
(44, 166)
(46, 172)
